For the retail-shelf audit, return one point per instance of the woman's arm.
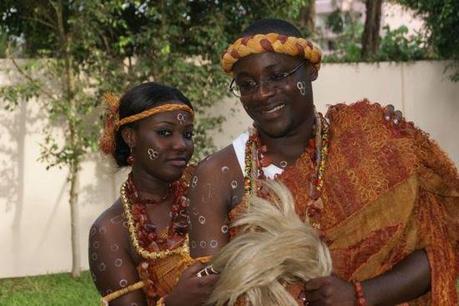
(110, 263)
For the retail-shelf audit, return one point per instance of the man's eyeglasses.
(248, 87)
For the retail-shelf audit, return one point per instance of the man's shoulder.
(361, 109)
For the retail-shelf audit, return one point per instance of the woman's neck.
(148, 186)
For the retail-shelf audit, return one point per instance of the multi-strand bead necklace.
(143, 233)
(318, 145)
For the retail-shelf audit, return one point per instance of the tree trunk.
(308, 16)
(370, 37)
(74, 163)
(74, 219)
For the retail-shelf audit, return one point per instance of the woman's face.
(277, 105)
(164, 144)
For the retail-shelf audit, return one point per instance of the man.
(384, 197)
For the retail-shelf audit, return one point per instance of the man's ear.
(129, 136)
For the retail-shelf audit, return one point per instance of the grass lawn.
(49, 290)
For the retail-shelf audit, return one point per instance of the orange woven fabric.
(388, 190)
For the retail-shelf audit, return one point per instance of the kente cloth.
(388, 190)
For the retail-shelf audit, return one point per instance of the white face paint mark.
(213, 244)
(102, 267)
(194, 181)
(117, 219)
(96, 244)
(301, 85)
(203, 244)
(114, 247)
(234, 184)
(202, 219)
(118, 262)
(93, 231)
(125, 225)
(180, 118)
(195, 211)
(123, 283)
(283, 164)
(152, 154)
(207, 193)
(108, 291)
(225, 169)
(102, 230)
(224, 229)
(193, 244)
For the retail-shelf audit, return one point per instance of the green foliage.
(441, 18)
(396, 44)
(347, 43)
(122, 43)
(55, 289)
(335, 21)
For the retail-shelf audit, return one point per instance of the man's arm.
(408, 279)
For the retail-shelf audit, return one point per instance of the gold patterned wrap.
(272, 42)
(388, 191)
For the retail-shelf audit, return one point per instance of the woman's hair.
(275, 248)
(265, 26)
(137, 100)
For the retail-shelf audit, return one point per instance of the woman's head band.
(113, 123)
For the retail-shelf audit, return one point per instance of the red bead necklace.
(146, 231)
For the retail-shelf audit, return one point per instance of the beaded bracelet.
(359, 296)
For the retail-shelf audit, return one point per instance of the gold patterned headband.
(272, 42)
(113, 123)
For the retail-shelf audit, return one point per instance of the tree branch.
(26, 75)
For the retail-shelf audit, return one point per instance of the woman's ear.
(129, 136)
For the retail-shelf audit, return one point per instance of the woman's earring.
(152, 154)
(301, 85)
(130, 159)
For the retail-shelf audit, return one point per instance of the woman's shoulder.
(110, 224)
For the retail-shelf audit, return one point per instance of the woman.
(140, 242)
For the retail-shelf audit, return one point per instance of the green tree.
(89, 47)
(441, 18)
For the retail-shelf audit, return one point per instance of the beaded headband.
(272, 42)
(113, 123)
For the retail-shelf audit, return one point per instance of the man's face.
(277, 105)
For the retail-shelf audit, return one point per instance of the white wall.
(34, 212)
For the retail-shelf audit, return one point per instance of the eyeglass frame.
(234, 85)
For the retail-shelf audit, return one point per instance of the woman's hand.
(192, 290)
(329, 290)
